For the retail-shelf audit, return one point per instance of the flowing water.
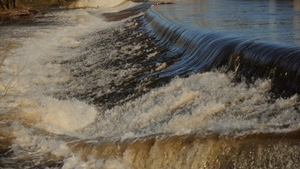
(141, 86)
(277, 21)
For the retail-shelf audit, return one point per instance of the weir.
(197, 50)
(195, 151)
(85, 101)
(202, 50)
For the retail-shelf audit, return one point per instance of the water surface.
(167, 88)
(267, 20)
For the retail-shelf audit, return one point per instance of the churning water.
(141, 86)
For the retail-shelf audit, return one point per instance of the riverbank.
(24, 9)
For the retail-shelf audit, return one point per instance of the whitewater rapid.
(78, 91)
(31, 76)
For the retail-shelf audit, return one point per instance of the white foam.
(26, 137)
(202, 102)
(207, 102)
(96, 3)
(75, 162)
(59, 116)
(30, 76)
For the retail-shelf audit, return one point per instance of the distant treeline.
(35, 4)
(7, 4)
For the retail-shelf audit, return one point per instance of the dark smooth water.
(267, 20)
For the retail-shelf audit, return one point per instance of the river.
(140, 85)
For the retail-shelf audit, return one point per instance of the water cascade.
(202, 50)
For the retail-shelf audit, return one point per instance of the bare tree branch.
(1, 5)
